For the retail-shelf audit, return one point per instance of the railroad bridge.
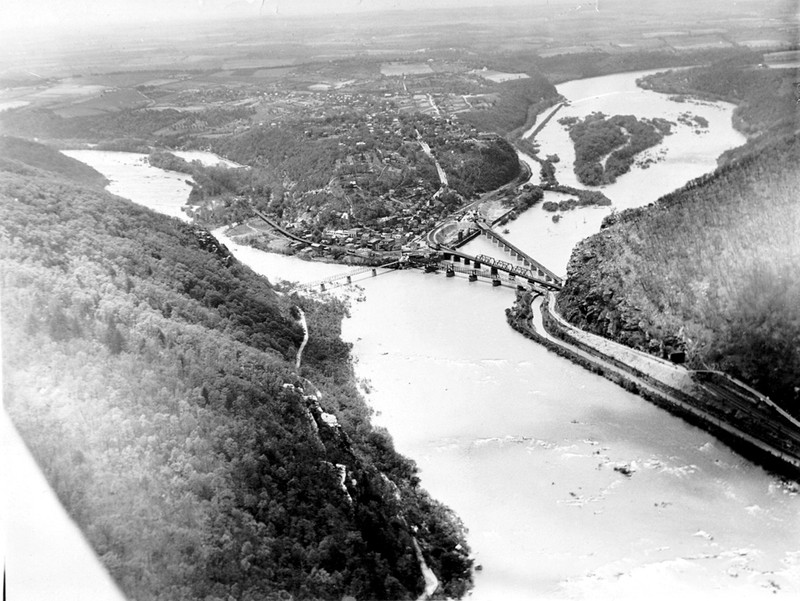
(523, 257)
(348, 277)
(453, 261)
(475, 266)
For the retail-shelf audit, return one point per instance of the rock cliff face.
(596, 299)
(709, 270)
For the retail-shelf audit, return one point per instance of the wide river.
(522, 444)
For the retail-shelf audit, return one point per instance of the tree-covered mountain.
(153, 378)
(19, 155)
(710, 269)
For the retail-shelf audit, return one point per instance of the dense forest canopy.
(605, 147)
(153, 378)
(21, 155)
(517, 101)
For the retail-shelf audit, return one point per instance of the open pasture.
(394, 69)
(107, 102)
(67, 89)
(499, 76)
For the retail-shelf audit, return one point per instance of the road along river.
(571, 487)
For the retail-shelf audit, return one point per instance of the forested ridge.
(19, 156)
(517, 101)
(152, 376)
(710, 269)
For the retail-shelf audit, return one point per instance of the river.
(682, 155)
(523, 444)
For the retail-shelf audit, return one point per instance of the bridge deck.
(525, 257)
(348, 275)
(516, 270)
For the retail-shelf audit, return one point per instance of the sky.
(42, 13)
(21, 15)
(17, 17)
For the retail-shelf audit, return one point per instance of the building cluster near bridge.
(401, 232)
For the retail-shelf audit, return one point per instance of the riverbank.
(756, 437)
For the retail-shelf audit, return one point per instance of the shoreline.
(677, 402)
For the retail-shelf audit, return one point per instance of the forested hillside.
(710, 269)
(27, 154)
(126, 125)
(153, 378)
(516, 102)
(605, 147)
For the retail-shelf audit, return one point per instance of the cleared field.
(396, 69)
(107, 102)
(774, 43)
(13, 104)
(565, 50)
(664, 34)
(79, 111)
(69, 89)
(782, 57)
(159, 82)
(272, 72)
(701, 45)
(499, 76)
(131, 79)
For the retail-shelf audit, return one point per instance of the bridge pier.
(450, 272)
(473, 277)
(496, 282)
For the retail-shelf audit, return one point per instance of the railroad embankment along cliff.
(733, 412)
